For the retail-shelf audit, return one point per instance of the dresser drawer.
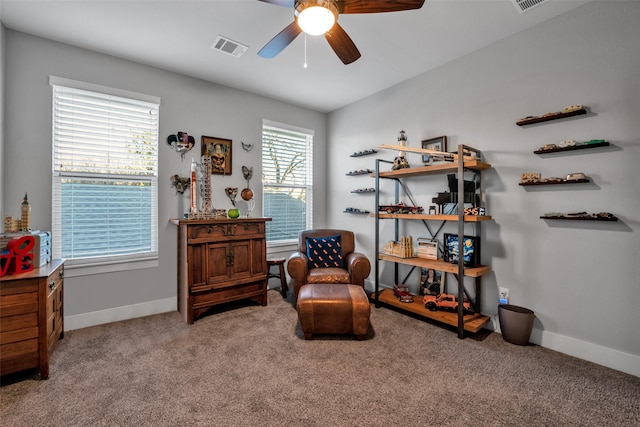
(19, 321)
(17, 335)
(246, 228)
(19, 348)
(227, 294)
(207, 231)
(11, 305)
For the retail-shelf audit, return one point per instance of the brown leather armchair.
(356, 265)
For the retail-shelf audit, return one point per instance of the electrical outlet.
(503, 294)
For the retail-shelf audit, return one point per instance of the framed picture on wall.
(437, 144)
(220, 150)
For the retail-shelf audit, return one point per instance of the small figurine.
(401, 162)
(25, 218)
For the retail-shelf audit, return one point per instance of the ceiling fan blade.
(280, 41)
(285, 3)
(342, 44)
(377, 6)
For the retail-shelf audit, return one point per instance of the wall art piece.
(436, 144)
(182, 142)
(219, 149)
(246, 146)
(180, 183)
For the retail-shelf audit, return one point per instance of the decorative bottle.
(194, 188)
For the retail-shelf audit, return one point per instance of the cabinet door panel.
(197, 255)
(217, 261)
(258, 257)
(241, 266)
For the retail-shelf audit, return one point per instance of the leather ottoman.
(333, 309)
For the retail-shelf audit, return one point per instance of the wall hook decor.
(181, 142)
(246, 147)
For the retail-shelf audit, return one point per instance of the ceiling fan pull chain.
(305, 50)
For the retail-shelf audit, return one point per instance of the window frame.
(308, 186)
(111, 263)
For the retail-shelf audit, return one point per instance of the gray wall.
(187, 104)
(580, 278)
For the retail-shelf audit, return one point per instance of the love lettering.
(18, 256)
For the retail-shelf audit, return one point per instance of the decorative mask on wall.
(219, 157)
(180, 183)
(181, 142)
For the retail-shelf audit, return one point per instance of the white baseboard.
(611, 358)
(116, 314)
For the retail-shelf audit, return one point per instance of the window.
(287, 181)
(105, 175)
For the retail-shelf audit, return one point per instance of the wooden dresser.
(31, 318)
(220, 260)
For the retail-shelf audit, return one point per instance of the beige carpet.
(250, 366)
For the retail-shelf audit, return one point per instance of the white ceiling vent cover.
(524, 5)
(226, 45)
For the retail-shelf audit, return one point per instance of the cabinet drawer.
(8, 337)
(19, 321)
(206, 231)
(228, 294)
(17, 287)
(19, 348)
(246, 228)
(11, 305)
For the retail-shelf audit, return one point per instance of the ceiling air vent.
(226, 45)
(524, 5)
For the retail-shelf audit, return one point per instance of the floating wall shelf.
(549, 117)
(575, 147)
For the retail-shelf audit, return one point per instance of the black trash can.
(516, 323)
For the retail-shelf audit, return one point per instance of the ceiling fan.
(326, 17)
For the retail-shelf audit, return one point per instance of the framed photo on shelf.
(436, 144)
(220, 150)
(471, 249)
(431, 281)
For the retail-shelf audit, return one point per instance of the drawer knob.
(52, 284)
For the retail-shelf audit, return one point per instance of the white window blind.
(287, 181)
(105, 175)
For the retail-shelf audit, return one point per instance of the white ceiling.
(177, 35)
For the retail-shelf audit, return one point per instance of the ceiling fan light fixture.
(316, 17)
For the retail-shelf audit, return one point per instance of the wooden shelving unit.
(460, 319)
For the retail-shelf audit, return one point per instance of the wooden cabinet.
(220, 260)
(31, 318)
(471, 322)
